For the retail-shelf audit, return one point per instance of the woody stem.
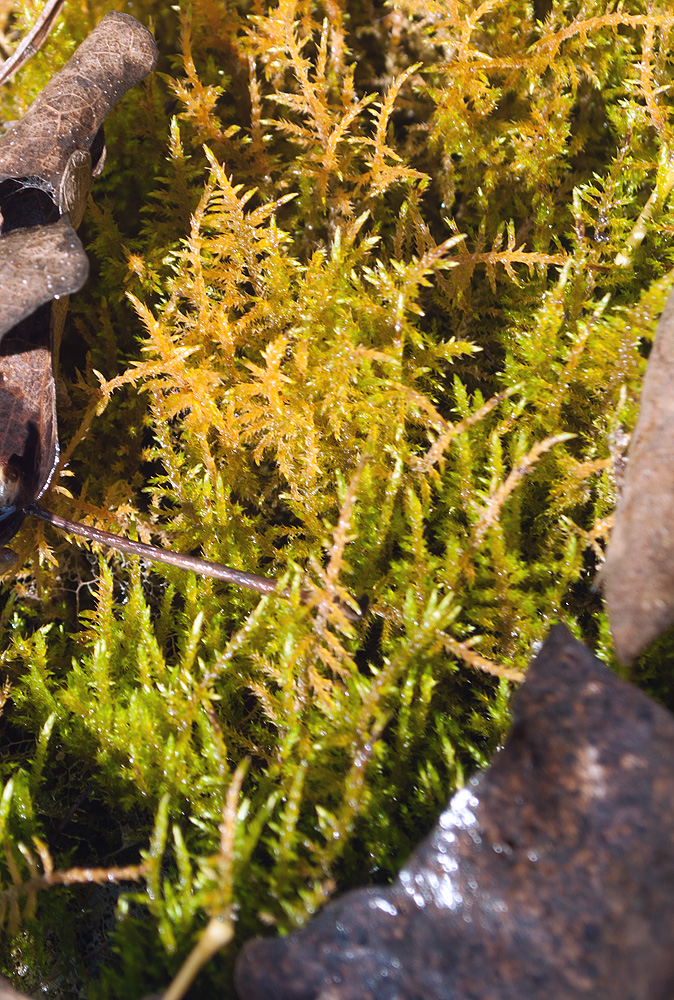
(262, 584)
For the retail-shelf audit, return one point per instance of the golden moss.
(371, 288)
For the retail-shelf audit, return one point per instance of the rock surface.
(638, 573)
(550, 876)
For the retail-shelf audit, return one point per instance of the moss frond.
(371, 294)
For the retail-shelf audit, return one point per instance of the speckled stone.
(550, 876)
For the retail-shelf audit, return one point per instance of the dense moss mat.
(372, 290)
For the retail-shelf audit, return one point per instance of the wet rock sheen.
(550, 876)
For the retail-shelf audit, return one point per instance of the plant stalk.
(251, 581)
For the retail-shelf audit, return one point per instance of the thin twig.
(33, 41)
(73, 876)
(251, 581)
(262, 584)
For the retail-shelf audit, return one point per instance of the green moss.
(354, 321)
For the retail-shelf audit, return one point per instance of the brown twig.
(33, 41)
(262, 584)
(251, 581)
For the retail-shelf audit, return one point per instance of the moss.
(355, 321)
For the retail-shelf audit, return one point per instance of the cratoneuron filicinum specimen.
(48, 160)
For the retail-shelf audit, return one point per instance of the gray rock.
(551, 875)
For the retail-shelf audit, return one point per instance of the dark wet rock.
(550, 876)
